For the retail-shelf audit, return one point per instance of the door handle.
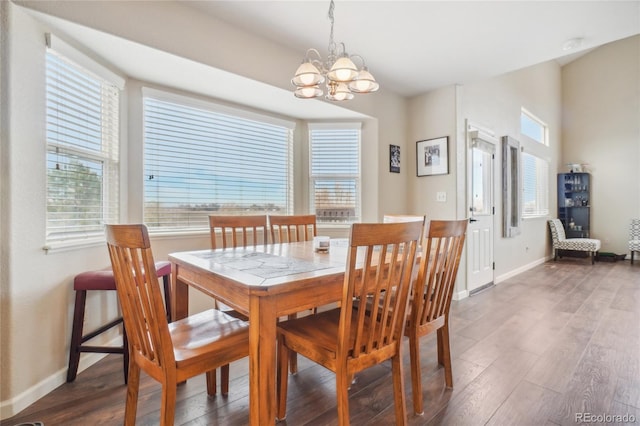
(472, 220)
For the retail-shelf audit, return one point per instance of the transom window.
(201, 158)
(533, 127)
(335, 172)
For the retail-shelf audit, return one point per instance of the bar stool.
(103, 280)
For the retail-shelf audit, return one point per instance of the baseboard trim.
(15, 405)
(520, 270)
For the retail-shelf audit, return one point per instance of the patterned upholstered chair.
(634, 237)
(561, 242)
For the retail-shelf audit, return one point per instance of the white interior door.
(480, 231)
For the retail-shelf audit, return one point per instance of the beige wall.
(601, 127)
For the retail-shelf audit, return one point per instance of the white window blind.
(535, 172)
(200, 161)
(335, 172)
(82, 134)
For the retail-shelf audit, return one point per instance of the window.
(82, 136)
(335, 172)
(202, 159)
(533, 127)
(535, 198)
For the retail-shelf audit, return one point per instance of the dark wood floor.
(538, 349)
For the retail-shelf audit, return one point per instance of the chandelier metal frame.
(343, 78)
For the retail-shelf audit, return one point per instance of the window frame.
(107, 153)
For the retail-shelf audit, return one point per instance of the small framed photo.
(432, 156)
(394, 158)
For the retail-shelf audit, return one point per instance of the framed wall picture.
(432, 156)
(394, 158)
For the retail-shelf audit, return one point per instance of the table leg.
(262, 361)
(179, 295)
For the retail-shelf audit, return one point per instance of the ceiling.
(415, 46)
(411, 47)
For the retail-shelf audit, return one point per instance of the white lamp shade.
(307, 75)
(308, 92)
(343, 70)
(364, 83)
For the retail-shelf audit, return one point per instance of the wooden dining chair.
(235, 231)
(381, 266)
(238, 231)
(431, 297)
(292, 228)
(169, 352)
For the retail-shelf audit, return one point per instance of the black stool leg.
(76, 335)
(167, 296)
(125, 354)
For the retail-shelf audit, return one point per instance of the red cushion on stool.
(95, 280)
(103, 279)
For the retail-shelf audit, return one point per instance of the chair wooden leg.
(444, 354)
(224, 379)
(632, 257)
(416, 377)
(398, 390)
(76, 334)
(168, 403)
(342, 391)
(282, 377)
(133, 384)
(211, 382)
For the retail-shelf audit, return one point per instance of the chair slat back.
(238, 231)
(441, 253)
(292, 228)
(139, 294)
(380, 267)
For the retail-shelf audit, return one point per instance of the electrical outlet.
(441, 196)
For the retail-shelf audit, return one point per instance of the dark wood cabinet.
(574, 203)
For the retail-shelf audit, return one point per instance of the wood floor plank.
(528, 404)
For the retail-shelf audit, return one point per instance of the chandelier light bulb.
(364, 83)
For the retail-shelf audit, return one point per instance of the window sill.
(70, 245)
(534, 217)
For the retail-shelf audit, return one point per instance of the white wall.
(601, 127)
(496, 105)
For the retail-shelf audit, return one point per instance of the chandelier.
(341, 75)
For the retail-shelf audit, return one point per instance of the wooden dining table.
(264, 282)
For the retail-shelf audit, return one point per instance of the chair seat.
(207, 332)
(579, 244)
(103, 279)
(634, 245)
